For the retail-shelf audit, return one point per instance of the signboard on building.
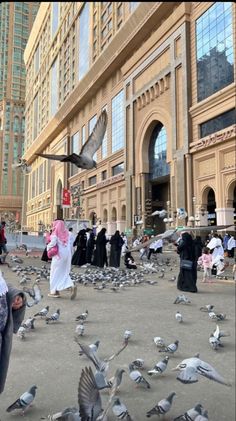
(66, 198)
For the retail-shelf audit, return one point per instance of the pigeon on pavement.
(182, 299)
(179, 317)
(191, 414)
(172, 348)
(159, 342)
(42, 313)
(159, 367)
(207, 308)
(85, 158)
(24, 401)
(120, 411)
(54, 317)
(162, 407)
(137, 377)
(202, 417)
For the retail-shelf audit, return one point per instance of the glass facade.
(218, 123)
(104, 142)
(214, 45)
(157, 153)
(54, 18)
(83, 41)
(118, 121)
(54, 88)
(92, 180)
(117, 169)
(36, 116)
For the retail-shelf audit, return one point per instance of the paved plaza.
(48, 357)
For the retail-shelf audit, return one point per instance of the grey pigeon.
(138, 363)
(89, 398)
(85, 158)
(172, 348)
(34, 293)
(29, 323)
(182, 299)
(207, 308)
(137, 377)
(120, 411)
(218, 334)
(215, 316)
(191, 414)
(202, 417)
(82, 316)
(43, 312)
(68, 414)
(93, 347)
(162, 407)
(21, 332)
(160, 367)
(190, 368)
(215, 342)
(116, 381)
(54, 317)
(24, 401)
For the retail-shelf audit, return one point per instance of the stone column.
(225, 216)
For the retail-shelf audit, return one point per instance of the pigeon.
(29, 323)
(137, 377)
(138, 363)
(54, 317)
(191, 414)
(89, 398)
(218, 334)
(43, 312)
(159, 342)
(162, 407)
(79, 330)
(182, 299)
(82, 317)
(172, 348)
(202, 417)
(207, 308)
(34, 293)
(159, 367)
(179, 317)
(218, 317)
(215, 342)
(68, 414)
(191, 367)
(24, 400)
(22, 164)
(21, 332)
(93, 347)
(116, 381)
(85, 158)
(120, 411)
(127, 336)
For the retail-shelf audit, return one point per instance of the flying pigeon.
(191, 414)
(23, 401)
(54, 317)
(207, 308)
(191, 367)
(85, 158)
(159, 367)
(93, 347)
(43, 312)
(162, 407)
(34, 293)
(120, 411)
(182, 299)
(218, 334)
(179, 317)
(170, 348)
(215, 342)
(137, 377)
(22, 164)
(89, 398)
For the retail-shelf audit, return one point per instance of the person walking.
(100, 254)
(187, 276)
(90, 247)
(205, 260)
(231, 246)
(47, 236)
(12, 313)
(71, 240)
(79, 256)
(116, 242)
(61, 262)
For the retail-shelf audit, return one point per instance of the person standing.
(115, 253)
(12, 313)
(187, 277)
(79, 256)
(61, 263)
(100, 255)
(90, 247)
(3, 242)
(71, 239)
(205, 260)
(231, 246)
(216, 246)
(47, 236)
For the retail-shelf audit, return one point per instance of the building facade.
(147, 64)
(16, 21)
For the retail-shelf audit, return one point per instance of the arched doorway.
(59, 200)
(159, 174)
(123, 213)
(211, 206)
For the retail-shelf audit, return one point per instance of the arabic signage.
(213, 139)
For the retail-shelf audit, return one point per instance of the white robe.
(60, 266)
(216, 244)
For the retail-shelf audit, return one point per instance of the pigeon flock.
(106, 385)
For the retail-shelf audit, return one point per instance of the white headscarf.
(3, 285)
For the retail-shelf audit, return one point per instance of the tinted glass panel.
(157, 153)
(218, 123)
(84, 41)
(118, 121)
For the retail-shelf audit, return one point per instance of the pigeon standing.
(137, 377)
(85, 158)
(82, 316)
(159, 342)
(24, 401)
(120, 410)
(127, 336)
(172, 348)
(179, 317)
(202, 417)
(159, 367)
(79, 330)
(191, 414)
(54, 317)
(29, 323)
(162, 407)
(42, 313)
(138, 363)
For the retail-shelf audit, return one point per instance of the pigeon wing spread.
(89, 398)
(55, 157)
(94, 141)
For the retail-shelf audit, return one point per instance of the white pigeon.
(182, 299)
(79, 330)
(21, 332)
(179, 317)
(159, 342)
(85, 158)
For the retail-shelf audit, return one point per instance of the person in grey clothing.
(12, 313)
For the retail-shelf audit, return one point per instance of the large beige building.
(165, 72)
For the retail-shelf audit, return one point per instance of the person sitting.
(129, 261)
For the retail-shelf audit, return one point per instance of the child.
(205, 260)
(129, 261)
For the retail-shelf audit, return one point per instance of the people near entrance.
(3, 242)
(205, 261)
(116, 242)
(12, 313)
(144, 249)
(79, 256)
(90, 246)
(215, 245)
(231, 246)
(47, 236)
(129, 261)
(187, 275)
(61, 262)
(225, 241)
(100, 253)
(71, 240)
(125, 244)
(155, 247)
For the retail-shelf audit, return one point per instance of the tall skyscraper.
(16, 21)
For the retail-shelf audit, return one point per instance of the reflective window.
(133, 5)
(118, 121)
(117, 169)
(83, 135)
(54, 88)
(36, 111)
(104, 142)
(214, 42)
(36, 60)
(104, 175)
(218, 123)
(84, 41)
(54, 18)
(92, 180)
(157, 153)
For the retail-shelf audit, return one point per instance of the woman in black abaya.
(187, 278)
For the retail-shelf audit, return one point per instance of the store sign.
(213, 139)
(66, 198)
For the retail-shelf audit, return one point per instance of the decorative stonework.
(206, 167)
(229, 160)
(213, 139)
(153, 91)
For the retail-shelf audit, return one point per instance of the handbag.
(186, 264)
(52, 251)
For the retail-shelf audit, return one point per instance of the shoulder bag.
(186, 264)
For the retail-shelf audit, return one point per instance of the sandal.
(54, 295)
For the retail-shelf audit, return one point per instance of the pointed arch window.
(157, 153)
